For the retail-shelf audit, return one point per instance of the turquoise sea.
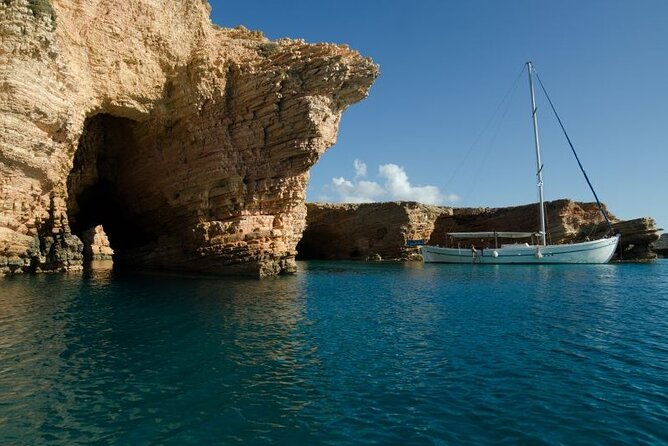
(342, 353)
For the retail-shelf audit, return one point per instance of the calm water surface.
(342, 353)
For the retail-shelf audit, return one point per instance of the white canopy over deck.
(492, 234)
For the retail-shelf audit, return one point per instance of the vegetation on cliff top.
(268, 48)
(39, 8)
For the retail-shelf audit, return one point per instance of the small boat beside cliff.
(538, 251)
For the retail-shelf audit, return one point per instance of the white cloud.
(342, 183)
(395, 186)
(359, 192)
(360, 168)
(399, 188)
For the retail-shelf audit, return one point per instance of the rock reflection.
(342, 353)
(99, 271)
(132, 349)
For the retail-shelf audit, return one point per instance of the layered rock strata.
(383, 230)
(366, 231)
(638, 238)
(190, 143)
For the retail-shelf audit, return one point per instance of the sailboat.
(538, 252)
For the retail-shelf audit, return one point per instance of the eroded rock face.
(96, 244)
(566, 221)
(360, 231)
(661, 246)
(190, 143)
(372, 231)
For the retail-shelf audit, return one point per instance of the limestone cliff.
(360, 231)
(190, 143)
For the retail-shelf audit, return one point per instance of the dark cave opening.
(309, 249)
(322, 244)
(98, 193)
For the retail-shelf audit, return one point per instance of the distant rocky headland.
(191, 144)
(376, 231)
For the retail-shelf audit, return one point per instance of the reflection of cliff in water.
(112, 338)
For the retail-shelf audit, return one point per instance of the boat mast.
(539, 165)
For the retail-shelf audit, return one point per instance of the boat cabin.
(489, 239)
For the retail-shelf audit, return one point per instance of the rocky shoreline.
(384, 230)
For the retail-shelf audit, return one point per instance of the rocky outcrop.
(190, 143)
(366, 231)
(638, 238)
(566, 221)
(661, 246)
(96, 244)
(375, 230)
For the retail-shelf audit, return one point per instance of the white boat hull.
(597, 251)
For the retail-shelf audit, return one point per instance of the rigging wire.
(505, 98)
(504, 102)
(491, 128)
(577, 158)
(547, 227)
(490, 145)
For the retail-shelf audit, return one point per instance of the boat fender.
(539, 255)
(495, 253)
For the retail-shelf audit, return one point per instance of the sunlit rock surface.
(190, 143)
(96, 244)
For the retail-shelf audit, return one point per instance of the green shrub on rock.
(42, 8)
(268, 48)
(39, 8)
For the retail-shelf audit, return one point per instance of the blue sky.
(432, 126)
